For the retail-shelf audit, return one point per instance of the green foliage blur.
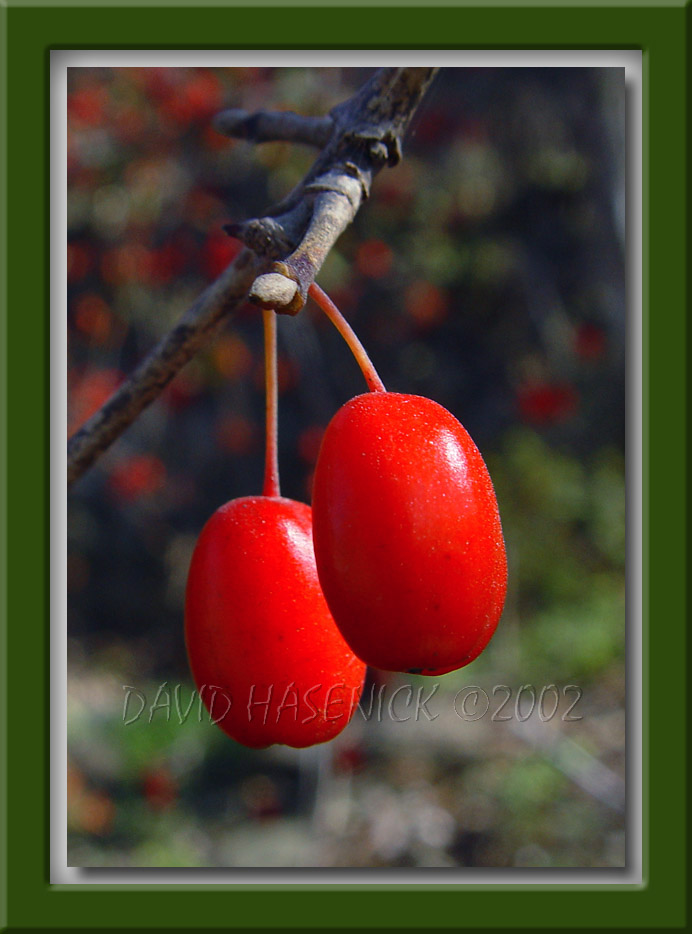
(486, 272)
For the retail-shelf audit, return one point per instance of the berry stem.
(271, 462)
(372, 378)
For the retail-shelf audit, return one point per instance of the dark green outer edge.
(663, 34)
(354, 4)
(3, 461)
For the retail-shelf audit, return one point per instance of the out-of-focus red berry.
(75, 780)
(374, 259)
(96, 813)
(426, 304)
(129, 124)
(167, 262)
(93, 317)
(286, 375)
(78, 261)
(261, 797)
(160, 789)
(473, 130)
(544, 403)
(131, 262)
(218, 251)
(181, 391)
(87, 105)
(156, 81)
(203, 210)
(214, 140)
(195, 99)
(589, 341)
(435, 125)
(236, 434)
(232, 357)
(137, 476)
(397, 187)
(350, 758)
(88, 395)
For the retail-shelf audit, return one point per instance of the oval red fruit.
(407, 534)
(265, 653)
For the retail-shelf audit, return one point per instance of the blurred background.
(486, 272)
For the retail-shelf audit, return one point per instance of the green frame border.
(28, 31)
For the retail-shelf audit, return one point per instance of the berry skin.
(408, 541)
(258, 628)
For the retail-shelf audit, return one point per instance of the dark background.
(486, 272)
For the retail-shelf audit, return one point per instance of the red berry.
(258, 630)
(407, 534)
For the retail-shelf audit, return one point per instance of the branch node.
(264, 235)
(350, 183)
(276, 291)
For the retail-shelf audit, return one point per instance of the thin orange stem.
(271, 462)
(372, 378)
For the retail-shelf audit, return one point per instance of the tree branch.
(263, 127)
(162, 364)
(287, 247)
(366, 136)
